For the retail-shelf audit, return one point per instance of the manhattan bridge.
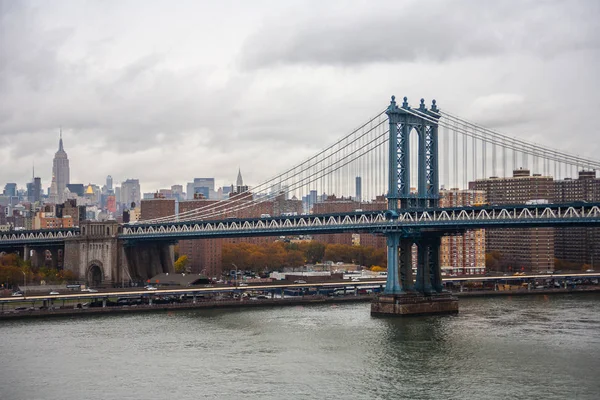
(403, 155)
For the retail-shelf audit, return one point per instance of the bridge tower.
(400, 286)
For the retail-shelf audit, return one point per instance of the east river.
(532, 347)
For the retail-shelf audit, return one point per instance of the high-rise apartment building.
(578, 245)
(60, 172)
(530, 249)
(464, 253)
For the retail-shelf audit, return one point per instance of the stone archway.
(95, 274)
(48, 258)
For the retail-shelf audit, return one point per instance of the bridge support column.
(427, 296)
(392, 285)
(26, 253)
(54, 252)
(435, 271)
(424, 261)
(406, 272)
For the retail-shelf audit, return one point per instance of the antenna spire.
(60, 142)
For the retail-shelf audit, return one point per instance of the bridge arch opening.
(48, 258)
(413, 157)
(95, 275)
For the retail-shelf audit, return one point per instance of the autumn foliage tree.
(277, 255)
(181, 264)
(16, 272)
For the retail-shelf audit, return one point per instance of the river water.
(532, 347)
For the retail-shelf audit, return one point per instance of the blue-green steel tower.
(403, 122)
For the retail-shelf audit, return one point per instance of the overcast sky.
(166, 91)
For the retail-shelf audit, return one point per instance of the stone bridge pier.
(94, 255)
(99, 258)
(149, 258)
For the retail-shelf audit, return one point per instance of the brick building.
(157, 208)
(43, 220)
(334, 205)
(71, 209)
(578, 245)
(465, 253)
(530, 249)
(205, 255)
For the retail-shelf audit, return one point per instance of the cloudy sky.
(166, 91)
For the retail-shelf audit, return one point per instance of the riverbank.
(291, 301)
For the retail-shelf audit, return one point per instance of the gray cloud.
(424, 31)
(165, 94)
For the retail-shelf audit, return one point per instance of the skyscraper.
(130, 192)
(10, 189)
(60, 171)
(109, 184)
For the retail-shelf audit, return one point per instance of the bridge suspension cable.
(318, 167)
(359, 161)
(516, 146)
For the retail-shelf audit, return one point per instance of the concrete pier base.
(412, 304)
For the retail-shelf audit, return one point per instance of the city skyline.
(152, 87)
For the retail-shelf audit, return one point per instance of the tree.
(493, 260)
(181, 263)
(294, 258)
(314, 251)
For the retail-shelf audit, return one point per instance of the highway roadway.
(364, 283)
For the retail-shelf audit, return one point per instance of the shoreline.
(308, 300)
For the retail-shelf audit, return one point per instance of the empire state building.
(60, 172)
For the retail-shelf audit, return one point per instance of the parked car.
(54, 292)
(355, 280)
(589, 270)
(150, 288)
(19, 293)
(300, 281)
(93, 290)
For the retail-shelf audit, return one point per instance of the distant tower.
(239, 185)
(358, 189)
(53, 196)
(109, 183)
(60, 171)
(239, 182)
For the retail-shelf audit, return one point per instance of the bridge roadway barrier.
(292, 301)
